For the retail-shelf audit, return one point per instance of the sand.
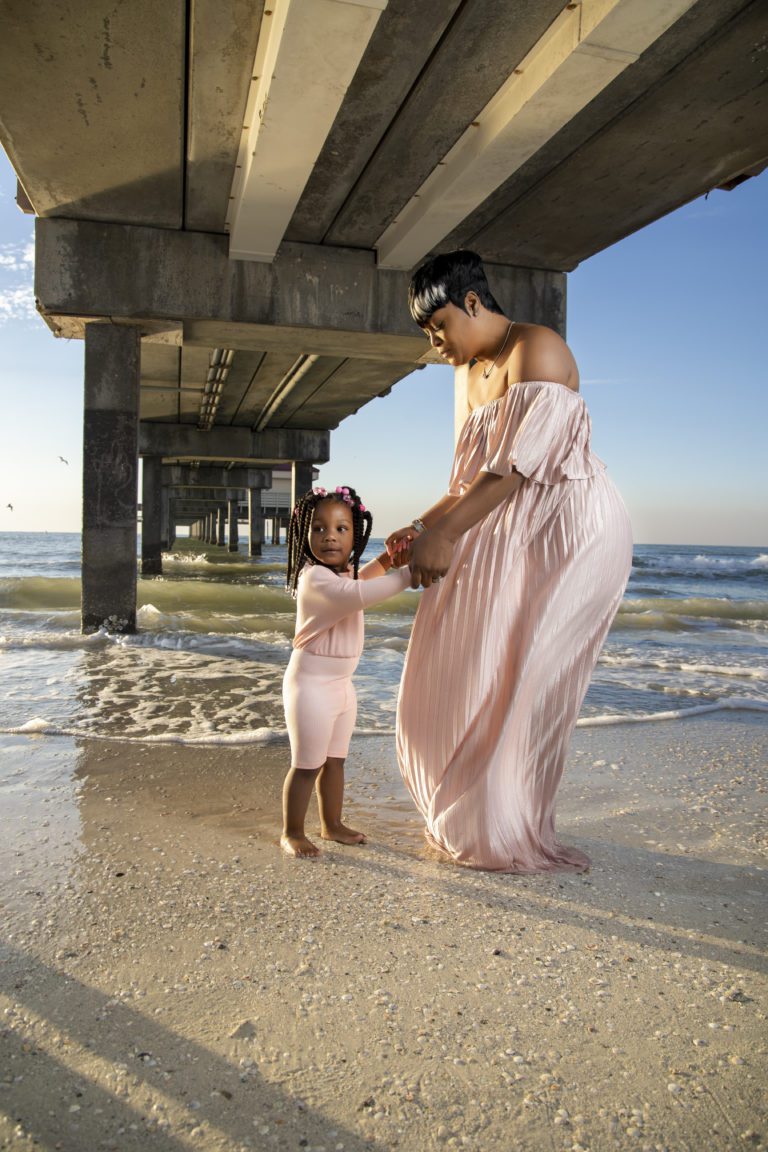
(171, 981)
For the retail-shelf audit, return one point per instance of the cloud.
(18, 257)
(17, 304)
(17, 300)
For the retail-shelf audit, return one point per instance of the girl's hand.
(431, 555)
(399, 541)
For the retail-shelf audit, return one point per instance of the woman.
(524, 563)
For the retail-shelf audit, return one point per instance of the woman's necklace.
(485, 372)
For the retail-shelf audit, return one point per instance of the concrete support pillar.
(275, 530)
(255, 522)
(212, 527)
(234, 532)
(110, 477)
(151, 517)
(167, 526)
(221, 525)
(301, 480)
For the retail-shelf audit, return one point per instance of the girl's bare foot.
(298, 846)
(342, 835)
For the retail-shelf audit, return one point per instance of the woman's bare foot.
(342, 835)
(298, 846)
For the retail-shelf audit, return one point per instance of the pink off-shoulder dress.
(503, 648)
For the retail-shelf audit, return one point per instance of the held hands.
(398, 545)
(399, 559)
(428, 554)
(430, 557)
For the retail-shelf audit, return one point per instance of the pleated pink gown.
(503, 648)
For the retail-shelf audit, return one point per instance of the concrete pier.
(151, 517)
(233, 531)
(301, 480)
(255, 522)
(110, 477)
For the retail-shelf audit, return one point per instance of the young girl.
(326, 538)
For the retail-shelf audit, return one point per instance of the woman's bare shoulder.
(540, 353)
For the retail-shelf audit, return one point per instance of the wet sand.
(171, 981)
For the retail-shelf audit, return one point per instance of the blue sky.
(667, 327)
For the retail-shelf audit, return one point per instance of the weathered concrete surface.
(224, 37)
(218, 495)
(232, 526)
(273, 446)
(479, 49)
(110, 477)
(130, 114)
(255, 522)
(702, 118)
(151, 516)
(301, 480)
(92, 107)
(307, 289)
(400, 48)
(186, 476)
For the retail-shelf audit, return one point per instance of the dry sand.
(171, 981)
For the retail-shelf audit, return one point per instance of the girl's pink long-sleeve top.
(329, 607)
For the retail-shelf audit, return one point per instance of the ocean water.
(215, 632)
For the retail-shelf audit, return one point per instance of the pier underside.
(231, 199)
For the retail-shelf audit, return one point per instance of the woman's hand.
(431, 555)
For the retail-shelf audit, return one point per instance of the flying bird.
(63, 460)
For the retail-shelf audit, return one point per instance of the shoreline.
(172, 980)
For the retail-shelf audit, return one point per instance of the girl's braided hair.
(299, 552)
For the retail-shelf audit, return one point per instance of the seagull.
(10, 506)
(63, 460)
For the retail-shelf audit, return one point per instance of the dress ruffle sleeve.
(468, 458)
(541, 430)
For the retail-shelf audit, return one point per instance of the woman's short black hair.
(445, 280)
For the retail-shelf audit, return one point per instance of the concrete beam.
(187, 476)
(307, 290)
(199, 509)
(219, 76)
(273, 446)
(94, 109)
(216, 495)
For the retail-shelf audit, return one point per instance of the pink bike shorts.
(320, 707)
